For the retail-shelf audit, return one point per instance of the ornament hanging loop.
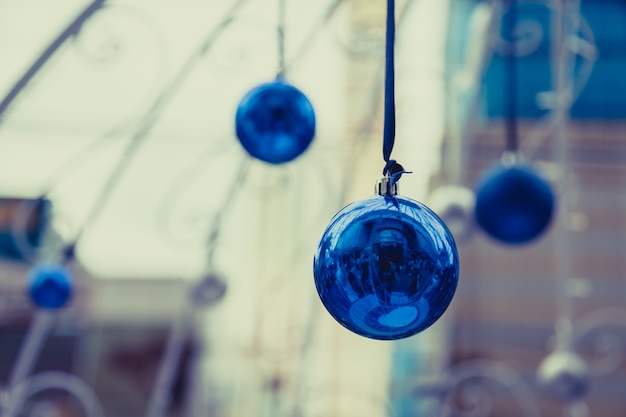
(388, 185)
(394, 170)
(281, 40)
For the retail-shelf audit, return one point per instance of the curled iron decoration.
(45, 56)
(109, 34)
(470, 389)
(181, 220)
(185, 220)
(54, 380)
(580, 43)
(248, 36)
(96, 38)
(239, 49)
(114, 36)
(579, 46)
(528, 37)
(600, 337)
(100, 36)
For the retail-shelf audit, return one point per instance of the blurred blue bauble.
(386, 267)
(564, 375)
(514, 204)
(275, 122)
(209, 290)
(49, 285)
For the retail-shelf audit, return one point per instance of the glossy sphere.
(514, 204)
(275, 122)
(49, 285)
(386, 267)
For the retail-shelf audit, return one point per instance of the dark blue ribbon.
(392, 169)
(389, 130)
(510, 78)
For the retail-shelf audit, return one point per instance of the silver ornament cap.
(385, 186)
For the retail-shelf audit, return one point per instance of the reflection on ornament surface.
(514, 204)
(386, 267)
(275, 122)
(49, 285)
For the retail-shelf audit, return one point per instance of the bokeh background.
(167, 76)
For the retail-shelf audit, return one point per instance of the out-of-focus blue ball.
(209, 290)
(49, 285)
(275, 122)
(514, 204)
(564, 375)
(386, 267)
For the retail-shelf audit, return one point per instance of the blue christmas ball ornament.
(49, 285)
(386, 267)
(514, 204)
(275, 122)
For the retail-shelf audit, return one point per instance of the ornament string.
(368, 124)
(389, 131)
(281, 38)
(510, 78)
(392, 168)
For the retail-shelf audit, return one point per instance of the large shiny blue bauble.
(49, 285)
(386, 267)
(275, 122)
(514, 204)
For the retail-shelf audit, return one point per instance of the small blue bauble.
(514, 204)
(275, 122)
(564, 375)
(49, 285)
(209, 290)
(386, 267)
